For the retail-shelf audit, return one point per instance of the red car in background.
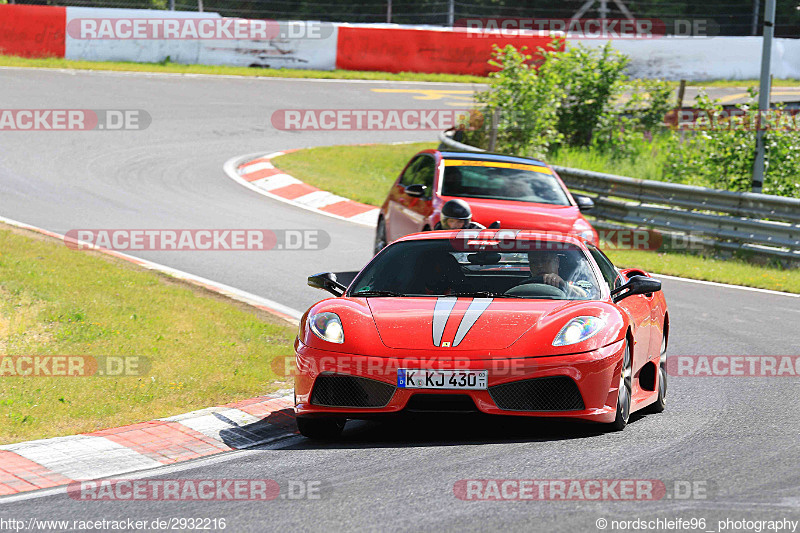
(520, 193)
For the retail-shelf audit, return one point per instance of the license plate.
(408, 378)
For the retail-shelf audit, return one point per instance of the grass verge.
(361, 173)
(203, 349)
(732, 271)
(175, 68)
(222, 70)
(365, 173)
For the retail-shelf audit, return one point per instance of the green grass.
(174, 68)
(203, 349)
(731, 271)
(647, 164)
(361, 173)
(364, 173)
(221, 70)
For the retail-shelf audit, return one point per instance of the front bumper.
(595, 373)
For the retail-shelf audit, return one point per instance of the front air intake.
(339, 390)
(557, 393)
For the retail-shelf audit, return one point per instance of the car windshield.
(449, 267)
(502, 181)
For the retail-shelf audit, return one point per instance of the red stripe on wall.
(32, 31)
(412, 50)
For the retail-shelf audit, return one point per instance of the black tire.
(661, 402)
(320, 428)
(625, 392)
(380, 236)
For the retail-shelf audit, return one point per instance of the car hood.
(456, 323)
(523, 215)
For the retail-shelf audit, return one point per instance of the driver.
(544, 265)
(456, 214)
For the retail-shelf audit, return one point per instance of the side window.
(610, 273)
(424, 172)
(409, 175)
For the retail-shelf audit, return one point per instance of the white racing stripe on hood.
(441, 312)
(474, 312)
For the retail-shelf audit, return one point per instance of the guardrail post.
(763, 93)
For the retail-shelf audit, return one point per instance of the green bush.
(569, 97)
(721, 154)
(576, 104)
(526, 102)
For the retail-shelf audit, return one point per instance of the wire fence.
(719, 17)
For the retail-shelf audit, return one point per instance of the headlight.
(578, 329)
(327, 326)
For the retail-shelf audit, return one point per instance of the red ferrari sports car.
(520, 193)
(505, 322)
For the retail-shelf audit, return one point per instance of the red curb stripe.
(254, 162)
(296, 190)
(261, 174)
(165, 442)
(347, 208)
(18, 474)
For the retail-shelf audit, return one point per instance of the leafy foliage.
(580, 99)
(721, 152)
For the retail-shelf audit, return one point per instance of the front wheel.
(320, 428)
(380, 236)
(625, 392)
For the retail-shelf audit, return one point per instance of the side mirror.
(327, 282)
(416, 190)
(636, 285)
(584, 202)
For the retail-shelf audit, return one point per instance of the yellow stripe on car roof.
(495, 164)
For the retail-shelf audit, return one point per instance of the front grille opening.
(556, 393)
(339, 390)
(441, 403)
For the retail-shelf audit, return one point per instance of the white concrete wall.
(708, 58)
(300, 53)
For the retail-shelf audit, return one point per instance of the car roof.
(488, 156)
(528, 235)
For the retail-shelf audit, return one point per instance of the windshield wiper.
(484, 294)
(377, 293)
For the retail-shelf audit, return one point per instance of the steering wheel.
(536, 289)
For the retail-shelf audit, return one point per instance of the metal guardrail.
(761, 223)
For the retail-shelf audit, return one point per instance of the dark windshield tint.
(437, 268)
(521, 183)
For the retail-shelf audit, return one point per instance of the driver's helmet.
(456, 214)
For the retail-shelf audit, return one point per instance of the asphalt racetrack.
(736, 440)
